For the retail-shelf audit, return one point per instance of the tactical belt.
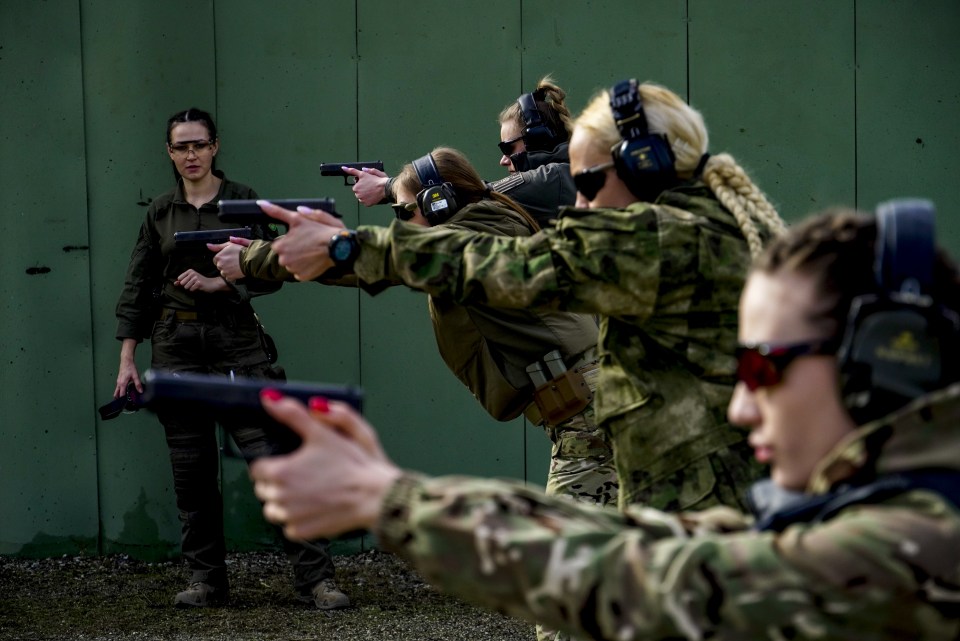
(179, 314)
(207, 316)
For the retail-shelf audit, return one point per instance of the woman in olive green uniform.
(200, 322)
(492, 350)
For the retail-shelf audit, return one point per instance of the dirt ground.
(117, 598)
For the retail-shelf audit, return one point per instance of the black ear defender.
(644, 161)
(536, 133)
(898, 345)
(438, 199)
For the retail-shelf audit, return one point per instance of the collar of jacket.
(924, 434)
(180, 199)
(917, 446)
(539, 158)
(489, 216)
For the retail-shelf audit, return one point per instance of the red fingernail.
(319, 404)
(271, 394)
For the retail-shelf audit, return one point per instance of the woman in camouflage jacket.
(661, 258)
(855, 536)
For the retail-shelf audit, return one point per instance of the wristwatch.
(344, 248)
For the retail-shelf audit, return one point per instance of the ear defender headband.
(644, 161)
(437, 200)
(894, 343)
(537, 134)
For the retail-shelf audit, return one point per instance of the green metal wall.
(823, 101)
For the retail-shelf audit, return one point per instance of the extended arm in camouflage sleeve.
(257, 260)
(596, 573)
(604, 261)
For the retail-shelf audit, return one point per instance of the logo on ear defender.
(437, 202)
(641, 158)
(904, 348)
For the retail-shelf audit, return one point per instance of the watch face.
(343, 248)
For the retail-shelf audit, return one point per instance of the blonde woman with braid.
(658, 246)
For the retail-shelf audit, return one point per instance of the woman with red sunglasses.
(856, 535)
(659, 250)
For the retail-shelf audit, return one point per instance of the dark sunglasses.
(763, 364)
(404, 211)
(506, 146)
(590, 181)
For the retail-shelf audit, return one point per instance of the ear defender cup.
(893, 345)
(438, 199)
(644, 161)
(537, 134)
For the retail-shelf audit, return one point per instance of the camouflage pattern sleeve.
(259, 261)
(644, 574)
(594, 261)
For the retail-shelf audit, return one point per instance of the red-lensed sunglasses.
(763, 364)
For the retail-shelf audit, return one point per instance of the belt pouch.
(562, 397)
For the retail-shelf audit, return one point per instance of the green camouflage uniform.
(489, 348)
(883, 567)
(665, 278)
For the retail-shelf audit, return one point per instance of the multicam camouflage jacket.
(881, 566)
(487, 348)
(665, 278)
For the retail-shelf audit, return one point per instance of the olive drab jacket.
(489, 348)
(156, 262)
(872, 561)
(665, 280)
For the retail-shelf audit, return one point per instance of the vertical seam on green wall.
(856, 136)
(93, 325)
(686, 24)
(523, 81)
(216, 94)
(356, 68)
(524, 454)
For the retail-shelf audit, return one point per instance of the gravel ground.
(117, 598)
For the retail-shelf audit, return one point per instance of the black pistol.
(199, 239)
(336, 169)
(237, 399)
(130, 402)
(248, 212)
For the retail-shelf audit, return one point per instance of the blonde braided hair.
(744, 199)
(686, 132)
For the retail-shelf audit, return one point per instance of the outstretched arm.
(372, 186)
(302, 251)
(335, 482)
